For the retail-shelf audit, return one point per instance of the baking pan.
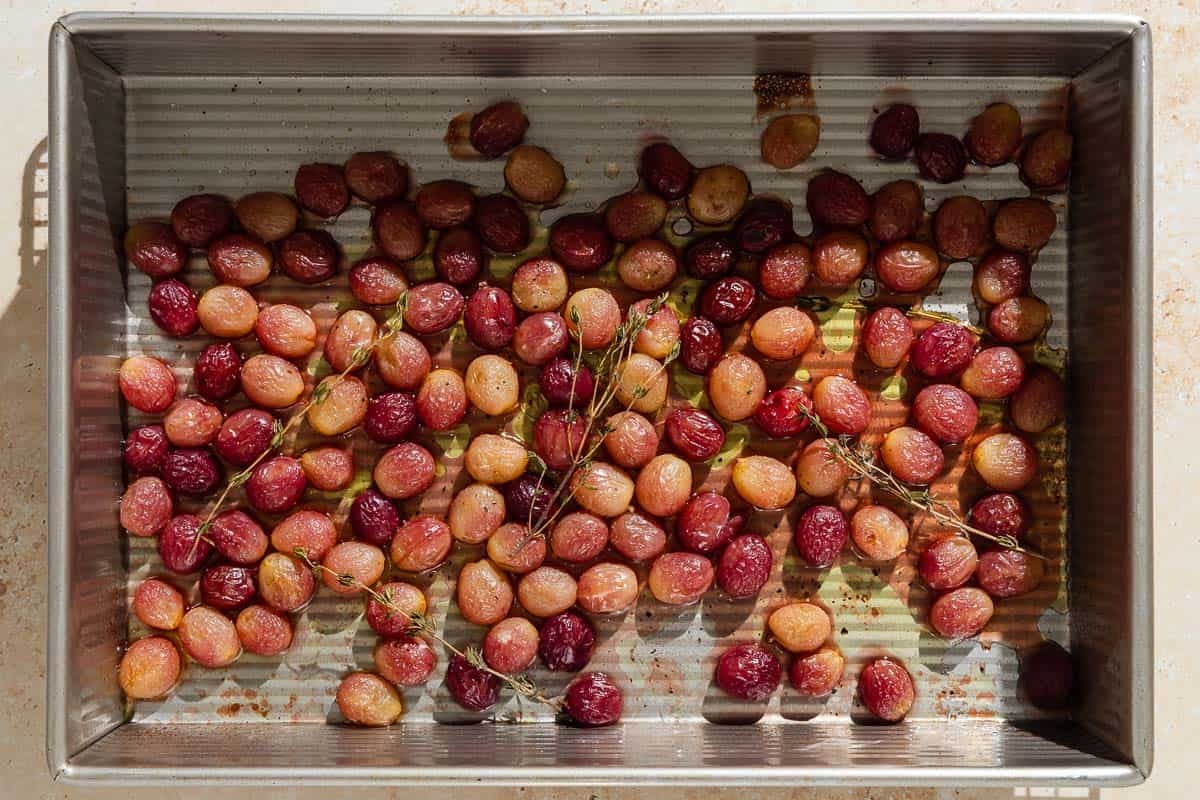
(146, 109)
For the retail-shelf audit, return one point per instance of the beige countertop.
(23, 87)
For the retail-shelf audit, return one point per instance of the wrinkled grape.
(695, 434)
(1008, 573)
(820, 535)
(800, 627)
(1005, 461)
(475, 513)
(218, 371)
(912, 456)
(744, 566)
(637, 537)
(886, 689)
(947, 562)
(1039, 402)
(406, 661)
(842, 405)
(961, 613)
(878, 533)
(817, 674)
(566, 643)
(483, 593)
(420, 544)
(578, 537)
(607, 588)
(511, 645)
(783, 333)
(749, 672)
(945, 412)
(680, 579)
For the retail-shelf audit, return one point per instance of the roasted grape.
(405, 661)
(593, 700)
(458, 255)
(244, 436)
(818, 472)
(492, 385)
(736, 386)
(634, 216)
(528, 498)
(783, 333)
(286, 331)
(836, 200)
(534, 175)
(271, 382)
(490, 318)
(510, 645)
(200, 218)
(961, 612)
(394, 618)
(578, 537)
(765, 223)
(580, 242)
(878, 533)
(648, 265)
(960, 227)
(782, 412)
(539, 284)
(789, 140)
(471, 687)
(749, 672)
(153, 248)
(1005, 461)
(402, 361)
(820, 535)
(1039, 402)
(1008, 573)
(285, 583)
(228, 312)
(566, 643)
(218, 372)
(1024, 224)
(700, 345)
(886, 689)
(420, 544)
(906, 266)
(475, 513)
(501, 223)
(237, 538)
(1018, 319)
(744, 566)
(631, 440)
(995, 134)
(602, 489)
(665, 170)
(270, 216)
(227, 587)
(191, 471)
(146, 506)
(263, 631)
(994, 373)
(800, 627)
(710, 256)
(483, 593)
(514, 548)
(351, 565)
(727, 301)
(664, 484)
(498, 128)
(817, 674)
(784, 270)
(641, 383)
(593, 317)
(442, 400)
(839, 257)
(637, 537)
(566, 383)
(706, 523)
(1047, 159)
(158, 604)
(1002, 514)
(276, 485)
(559, 437)
(1001, 275)
(607, 588)
(940, 157)
(375, 177)
(240, 260)
(894, 132)
(398, 231)
(912, 456)
(181, 547)
(945, 412)
(149, 668)
(764, 482)
(147, 384)
(209, 637)
(432, 307)
(173, 307)
(694, 433)
(343, 407)
(948, 562)
(367, 699)
(495, 459)
(718, 194)
(896, 211)
(322, 189)
(942, 350)
(445, 204)
(307, 529)
(546, 591)
(659, 336)
(680, 579)
(842, 405)
(144, 449)
(1048, 676)
(309, 257)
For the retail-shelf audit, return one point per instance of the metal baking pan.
(146, 109)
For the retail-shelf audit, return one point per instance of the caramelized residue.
(777, 90)
(458, 138)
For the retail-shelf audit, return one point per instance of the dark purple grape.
(191, 471)
(711, 256)
(765, 223)
(749, 672)
(593, 700)
(566, 642)
(528, 497)
(391, 417)
(374, 518)
(218, 372)
(563, 385)
(490, 318)
(700, 345)
(728, 301)
(471, 687)
(182, 549)
(145, 449)
(227, 588)
(695, 434)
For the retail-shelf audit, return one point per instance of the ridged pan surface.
(235, 136)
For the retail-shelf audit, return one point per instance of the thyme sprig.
(422, 624)
(860, 460)
(606, 386)
(358, 358)
(821, 303)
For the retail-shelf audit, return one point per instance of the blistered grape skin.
(820, 535)
(665, 170)
(200, 218)
(395, 618)
(994, 373)
(945, 412)
(694, 433)
(842, 405)
(1002, 514)
(680, 579)
(511, 645)
(490, 318)
(637, 537)
(593, 700)
(593, 316)
(580, 242)
(244, 436)
(800, 627)
(472, 688)
(942, 350)
(191, 471)
(180, 546)
(663, 485)
(495, 459)
(1018, 319)
(209, 637)
(785, 270)
(818, 472)
(1005, 461)
(284, 583)
(512, 547)
(1048, 676)
(1008, 573)
(442, 400)
(475, 513)
(948, 562)
(361, 561)
(961, 613)
(1039, 402)
(603, 489)
(153, 248)
(271, 382)
(566, 643)
(227, 587)
(149, 668)
(328, 469)
(146, 506)
(782, 333)
(420, 544)
(736, 386)
(263, 631)
(886, 689)
(144, 449)
(432, 307)
(458, 256)
(607, 588)
(501, 223)
(540, 337)
(402, 361)
(276, 485)
(749, 672)
(405, 661)
(912, 456)
(710, 256)
(701, 345)
(351, 331)
(817, 674)
(887, 336)
(546, 591)
(578, 537)
(559, 436)
(706, 523)
(158, 604)
(744, 566)
(366, 699)
(237, 538)
(309, 256)
(192, 423)
(839, 258)
(781, 414)
(147, 384)
(632, 440)
(764, 482)
(307, 529)
(377, 281)
(727, 301)
(218, 371)
(878, 533)
(894, 131)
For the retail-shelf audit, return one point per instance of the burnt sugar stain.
(777, 91)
